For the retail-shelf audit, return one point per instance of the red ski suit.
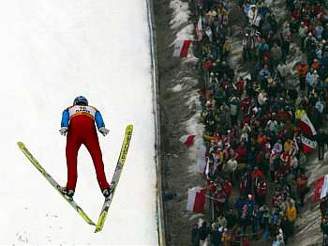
(82, 130)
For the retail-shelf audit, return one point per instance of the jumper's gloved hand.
(104, 131)
(63, 131)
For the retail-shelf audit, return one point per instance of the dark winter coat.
(231, 220)
(216, 236)
(324, 228)
(276, 53)
(322, 138)
(203, 232)
(195, 236)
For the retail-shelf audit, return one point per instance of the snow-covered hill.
(50, 52)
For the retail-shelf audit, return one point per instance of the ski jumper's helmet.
(81, 100)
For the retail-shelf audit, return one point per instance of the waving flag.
(201, 156)
(308, 145)
(181, 48)
(196, 200)
(199, 29)
(317, 188)
(188, 140)
(305, 124)
(324, 188)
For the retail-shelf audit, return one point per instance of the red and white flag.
(295, 148)
(306, 125)
(199, 29)
(324, 188)
(188, 140)
(196, 200)
(317, 188)
(308, 145)
(181, 48)
(201, 156)
(207, 168)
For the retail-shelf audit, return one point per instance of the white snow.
(50, 52)
(181, 13)
(196, 151)
(186, 33)
(181, 24)
(177, 88)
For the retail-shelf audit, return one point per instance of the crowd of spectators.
(255, 173)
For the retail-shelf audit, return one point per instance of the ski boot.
(107, 192)
(67, 193)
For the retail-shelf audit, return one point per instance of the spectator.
(276, 54)
(203, 234)
(302, 70)
(253, 16)
(249, 124)
(226, 237)
(321, 138)
(216, 235)
(324, 228)
(265, 220)
(232, 219)
(279, 241)
(221, 221)
(195, 240)
(301, 183)
(291, 214)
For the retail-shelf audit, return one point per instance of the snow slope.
(50, 52)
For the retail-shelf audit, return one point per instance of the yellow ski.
(53, 182)
(117, 173)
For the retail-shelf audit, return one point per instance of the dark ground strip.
(174, 112)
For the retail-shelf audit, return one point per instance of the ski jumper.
(80, 121)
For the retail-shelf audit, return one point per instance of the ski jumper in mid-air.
(78, 123)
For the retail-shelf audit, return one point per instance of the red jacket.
(301, 182)
(241, 152)
(227, 187)
(257, 174)
(262, 188)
